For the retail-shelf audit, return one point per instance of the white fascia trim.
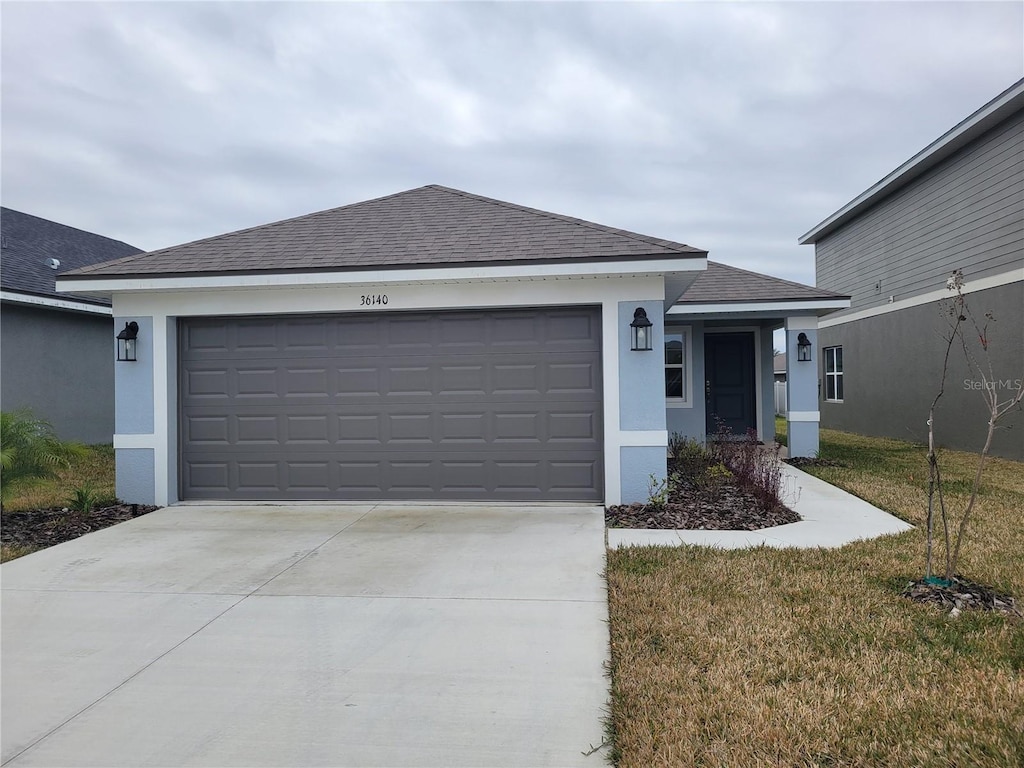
(42, 301)
(651, 438)
(767, 306)
(388, 276)
(147, 441)
(959, 135)
(972, 286)
(814, 416)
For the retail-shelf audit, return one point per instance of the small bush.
(658, 491)
(85, 499)
(757, 467)
(30, 450)
(691, 457)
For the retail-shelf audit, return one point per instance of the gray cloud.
(733, 127)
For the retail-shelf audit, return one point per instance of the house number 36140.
(370, 300)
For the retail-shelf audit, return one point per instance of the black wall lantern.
(126, 342)
(803, 348)
(640, 331)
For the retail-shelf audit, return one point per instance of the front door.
(729, 385)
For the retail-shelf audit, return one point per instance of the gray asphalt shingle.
(428, 226)
(722, 283)
(28, 244)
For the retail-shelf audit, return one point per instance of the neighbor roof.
(722, 284)
(28, 243)
(425, 227)
(1002, 107)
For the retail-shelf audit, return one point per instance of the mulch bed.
(723, 506)
(961, 595)
(42, 528)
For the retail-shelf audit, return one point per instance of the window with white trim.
(834, 374)
(676, 384)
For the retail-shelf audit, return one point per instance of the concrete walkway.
(831, 518)
(334, 635)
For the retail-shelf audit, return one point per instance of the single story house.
(55, 349)
(435, 344)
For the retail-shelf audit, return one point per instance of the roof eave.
(996, 111)
(74, 303)
(768, 308)
(103, 285)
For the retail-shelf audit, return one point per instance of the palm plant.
(29, 450)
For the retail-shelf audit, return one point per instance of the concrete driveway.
(336, 635)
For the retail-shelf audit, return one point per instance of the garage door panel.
(395, 425)
(569, 477)
(475, 405)
(256, 430)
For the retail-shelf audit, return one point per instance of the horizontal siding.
(966, 213)
(889, 387)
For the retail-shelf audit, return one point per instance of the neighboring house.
(55, 349)
(957, 204)
(435, 344)
(779, 368)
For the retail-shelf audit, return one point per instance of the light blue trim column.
(802, 415)
(642, 427)
(135, 468)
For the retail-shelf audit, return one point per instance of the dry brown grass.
(94, 468)
(811, 657)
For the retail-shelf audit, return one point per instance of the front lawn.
(811, 657)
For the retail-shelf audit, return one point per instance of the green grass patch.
(811, 657)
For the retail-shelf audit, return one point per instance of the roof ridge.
(664, 243)
(762, 275)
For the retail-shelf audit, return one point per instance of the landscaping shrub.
(757, 467)
(30, 450)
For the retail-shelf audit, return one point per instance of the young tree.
(999, 400)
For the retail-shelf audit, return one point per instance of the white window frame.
(835, 375)
(686, 331)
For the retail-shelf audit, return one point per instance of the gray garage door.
(441, 405)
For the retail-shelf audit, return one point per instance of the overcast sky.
(733, 127)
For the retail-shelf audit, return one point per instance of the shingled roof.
(28, 244)
(722, 284)
(425, 227)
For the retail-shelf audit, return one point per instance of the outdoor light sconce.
(640, 331)
(126, 341)
(803, 348)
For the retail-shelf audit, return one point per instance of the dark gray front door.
(729, 389)
(443, 405)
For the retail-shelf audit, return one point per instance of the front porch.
(719, 356)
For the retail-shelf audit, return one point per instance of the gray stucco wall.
(641, 400)
(135, 479)
(61, 365)
(967, 213)
(134, 383)
(642, 374)
(638, 464)
(690, 421)
(893, 362)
